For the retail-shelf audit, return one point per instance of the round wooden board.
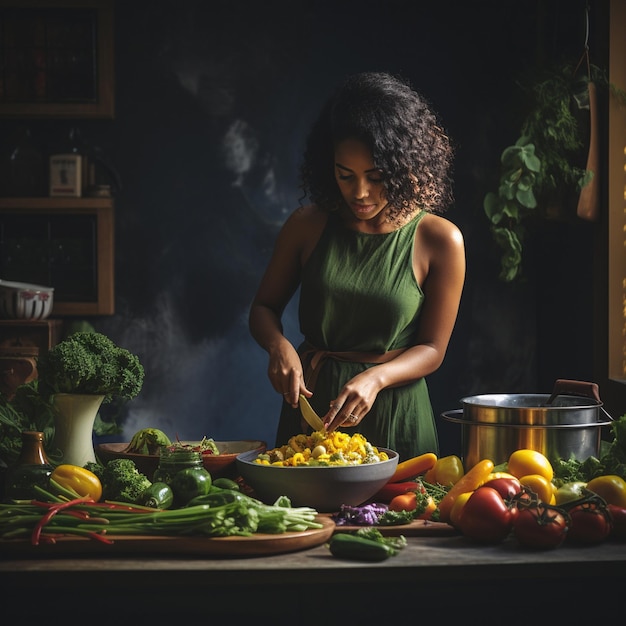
(417, 528)
(255, 545)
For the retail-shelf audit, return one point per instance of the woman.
(380, 274)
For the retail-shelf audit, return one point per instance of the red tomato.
(540, 526)
(618, 515)
(486, 517)
(506, 487)
(591, 522)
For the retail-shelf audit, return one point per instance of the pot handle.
(576, 388)
(456, 415)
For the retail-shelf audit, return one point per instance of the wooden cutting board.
(417, 528)
(258, 544)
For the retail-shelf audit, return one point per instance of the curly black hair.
(402, 131)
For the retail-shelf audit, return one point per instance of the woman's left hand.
(353, 402)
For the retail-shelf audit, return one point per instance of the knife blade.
(311, 417)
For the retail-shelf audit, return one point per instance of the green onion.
(244, 516)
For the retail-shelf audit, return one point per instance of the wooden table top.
(446, 570)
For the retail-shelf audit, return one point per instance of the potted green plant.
(546, 166)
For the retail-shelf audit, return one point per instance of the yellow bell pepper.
(447, 471)
(611, 488)
(79, 480)
(540, 485)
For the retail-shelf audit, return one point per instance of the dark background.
(213, 103)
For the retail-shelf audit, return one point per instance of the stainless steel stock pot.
(564, 424)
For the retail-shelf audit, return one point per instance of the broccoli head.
(90, 363)
(121, 480)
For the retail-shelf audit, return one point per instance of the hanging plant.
(544, 165)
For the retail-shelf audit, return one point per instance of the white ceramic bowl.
(25, 301)
(324, 488)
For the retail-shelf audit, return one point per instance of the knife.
(311, 417)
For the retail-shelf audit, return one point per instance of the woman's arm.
(280, 281)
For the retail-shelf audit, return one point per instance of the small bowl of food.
(25, 301)
(328, 471)
(218, 457)
(223, 463)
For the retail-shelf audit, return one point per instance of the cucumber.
(354, 548)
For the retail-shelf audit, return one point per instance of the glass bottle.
(26, 168)
(32, 468)
(172, 461)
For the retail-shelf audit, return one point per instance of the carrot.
(389, 491)
(413, 467)
(404, 502)
(468, 482)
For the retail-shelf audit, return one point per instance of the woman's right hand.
(285, 373)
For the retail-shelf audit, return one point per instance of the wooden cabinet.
(65, 243)
(21, 342)
(57, 58)
(38, 334)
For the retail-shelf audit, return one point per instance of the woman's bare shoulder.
(439, 230)
(307, 219)
(301, 231)
(309, 213)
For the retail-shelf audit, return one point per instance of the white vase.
(74, 416)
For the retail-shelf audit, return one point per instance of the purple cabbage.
(366, 515)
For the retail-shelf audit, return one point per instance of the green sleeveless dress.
(359, 294)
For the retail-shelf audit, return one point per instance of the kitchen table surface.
(432, 577)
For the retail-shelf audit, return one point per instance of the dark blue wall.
(213, 101)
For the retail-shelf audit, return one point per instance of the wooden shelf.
(44, 203)
(51, 211)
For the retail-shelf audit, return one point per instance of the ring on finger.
(353, 418)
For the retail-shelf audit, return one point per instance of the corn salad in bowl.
(321, 448)
(322, 470)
